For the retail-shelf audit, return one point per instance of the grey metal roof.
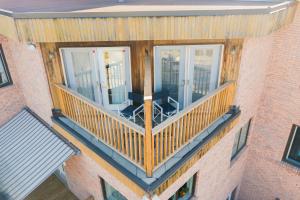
(29, 153)
(132, 8)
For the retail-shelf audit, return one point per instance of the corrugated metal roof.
(29, 153)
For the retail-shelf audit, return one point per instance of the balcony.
(147, 151)
(146, 147)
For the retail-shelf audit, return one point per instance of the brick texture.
(11, 97)
(83, 176)
(30, 86)
(217, 176)
(268, 91)
(266, 176)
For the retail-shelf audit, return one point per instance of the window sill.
(290, 166)
(6, 85)
(238, 155)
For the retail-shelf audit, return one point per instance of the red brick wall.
(83, 179)
(11, 97)
(266, 176)
(30, 86)
(33, 80)
(217, 175)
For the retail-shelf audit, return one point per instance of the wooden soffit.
(77, 27)
(7, 27)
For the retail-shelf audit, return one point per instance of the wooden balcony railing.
(150, 147)
(172, 134)
(122, 135)
(147, 147)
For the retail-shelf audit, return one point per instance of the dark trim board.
(6, 70)
(154, 185)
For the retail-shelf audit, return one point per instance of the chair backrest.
(162, 95)
(135, 97)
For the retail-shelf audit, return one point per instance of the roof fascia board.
(179, 13)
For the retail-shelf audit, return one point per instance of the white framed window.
(101, 74)
(188, 72)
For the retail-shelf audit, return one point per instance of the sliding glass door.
(100, 74)
(187, 72)
(114, 75)
(169, 71)
(80, 67)
(204, 68)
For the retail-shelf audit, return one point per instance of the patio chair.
(135, 106)
(164, 105)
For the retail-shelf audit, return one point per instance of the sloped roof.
(29, 153)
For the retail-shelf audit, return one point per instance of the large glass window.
(186, 191)
(111, 193)
(4, 74)
(240, 139)
(187, 72)
(292, 154)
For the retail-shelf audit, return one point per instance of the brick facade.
(30, 86)
(268, 92)
(266, 176)
(83, 175)
(11, 97)
(217, 176)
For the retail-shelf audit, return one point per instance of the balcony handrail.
(105, 111)
(189, 108)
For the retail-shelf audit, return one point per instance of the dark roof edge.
(135, 179)
(67, 142)
(179, 13)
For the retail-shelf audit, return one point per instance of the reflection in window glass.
(110, 193)
(202, 73)
(240, 139)
(294, 147)
(4, 76)
(170, 63)
(185, 192)
(115, 68)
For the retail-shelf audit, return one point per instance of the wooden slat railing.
(122, 135)
(171, 135)
(150, 147)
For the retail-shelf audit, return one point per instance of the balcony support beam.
(148, 151)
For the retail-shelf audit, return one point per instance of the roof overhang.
(30, 151)
(150, 24)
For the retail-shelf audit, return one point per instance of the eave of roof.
(155, 10)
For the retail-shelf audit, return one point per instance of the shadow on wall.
(3, 196)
